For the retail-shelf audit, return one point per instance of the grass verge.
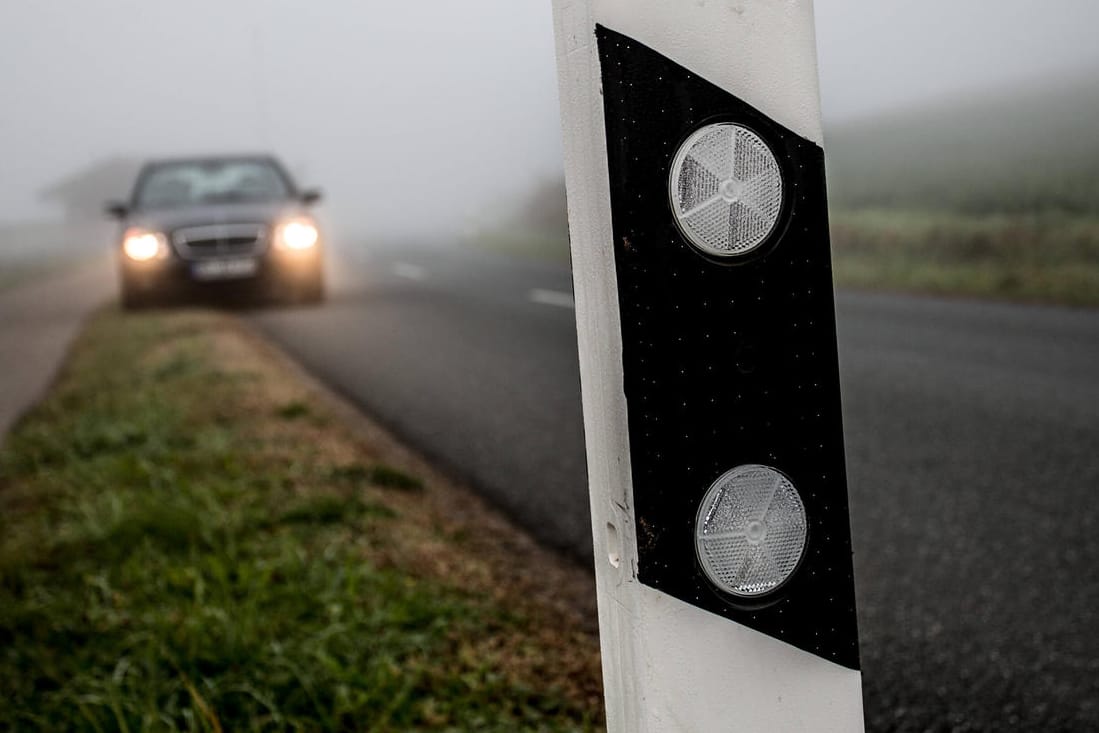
(190, 540)
(1052, 258)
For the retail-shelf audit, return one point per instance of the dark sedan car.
(231, 224)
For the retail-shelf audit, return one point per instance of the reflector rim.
(701, 247)
(763, 596)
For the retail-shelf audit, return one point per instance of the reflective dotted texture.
(728, 361)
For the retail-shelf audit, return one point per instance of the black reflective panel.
(726, 364)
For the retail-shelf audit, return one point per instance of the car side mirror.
(116, 209)
(311, 196)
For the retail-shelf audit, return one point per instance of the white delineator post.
(668, 664)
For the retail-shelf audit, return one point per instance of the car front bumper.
(273, 272)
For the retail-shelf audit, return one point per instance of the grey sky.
(878, 55)
(421, 116)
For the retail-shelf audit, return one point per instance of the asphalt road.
(38, 320)
(973, 451)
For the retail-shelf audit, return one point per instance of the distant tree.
(82, 193)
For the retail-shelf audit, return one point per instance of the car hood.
(166, 220)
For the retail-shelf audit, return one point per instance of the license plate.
(225, 269)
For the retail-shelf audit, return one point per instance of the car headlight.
(297, 234)
(142, 245)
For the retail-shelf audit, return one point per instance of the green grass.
(168, 563)
(357, 474)
(292, 410)
(1050, 258)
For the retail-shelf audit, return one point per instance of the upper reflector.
(726, 190)
(750, 531)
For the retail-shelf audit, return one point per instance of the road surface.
(38, 321)
(973, 450)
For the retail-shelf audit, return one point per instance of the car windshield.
(210, 182)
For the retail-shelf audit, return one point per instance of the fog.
(886, 55)
(420, 119)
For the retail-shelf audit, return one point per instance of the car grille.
(220, 240)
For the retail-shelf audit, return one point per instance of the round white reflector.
(726, 190)
(750, 531)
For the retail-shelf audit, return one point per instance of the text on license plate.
(224, 269)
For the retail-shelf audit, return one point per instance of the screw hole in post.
(614, 546)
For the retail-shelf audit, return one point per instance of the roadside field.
(1052, 258)
(1044, 258)
(193, 537)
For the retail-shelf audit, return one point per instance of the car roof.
(202, 159)
(154, 163)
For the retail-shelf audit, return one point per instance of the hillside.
(1030, 150)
